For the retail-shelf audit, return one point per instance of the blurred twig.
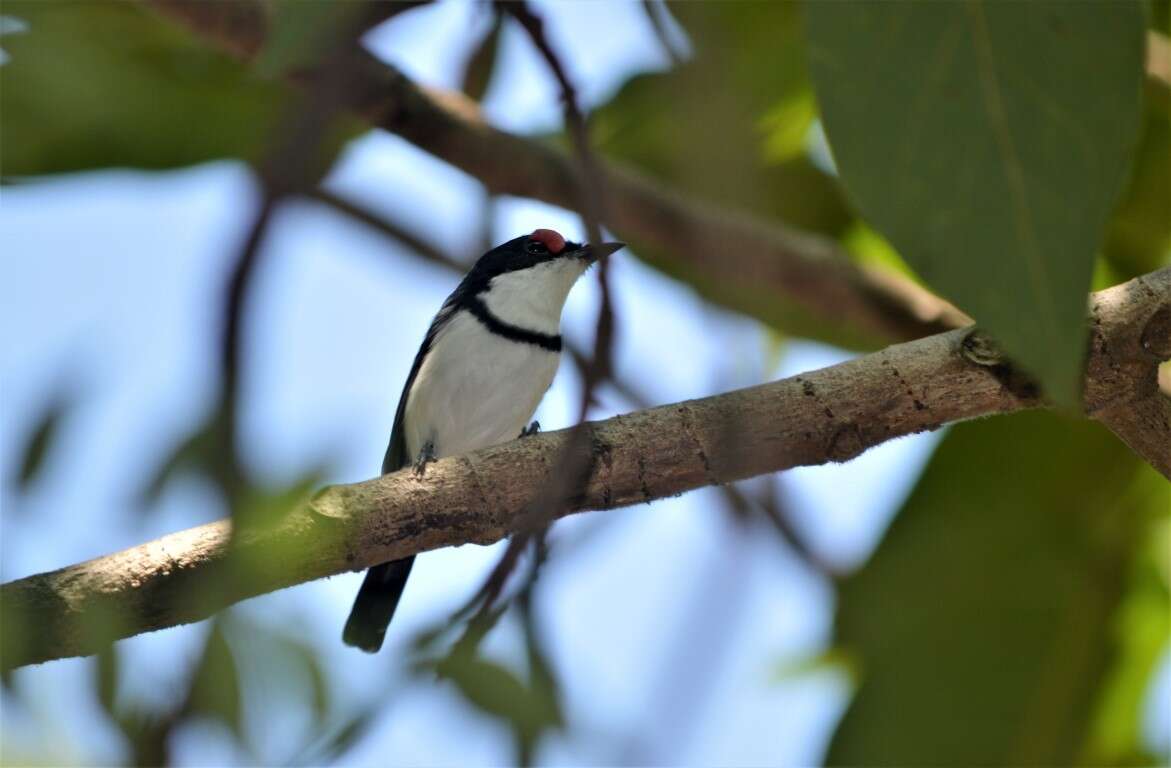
(768, 505)
(289, 166)
(231, 353)
(656, 14)
(592, 200)
(419, 245)
(574, 462)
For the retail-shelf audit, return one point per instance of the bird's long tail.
(375, 604)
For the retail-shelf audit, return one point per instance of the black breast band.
(497, 326)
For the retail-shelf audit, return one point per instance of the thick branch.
(829, 415)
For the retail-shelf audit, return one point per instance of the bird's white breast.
(533, 298)
(475, 388)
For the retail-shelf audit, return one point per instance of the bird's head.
(541, 264)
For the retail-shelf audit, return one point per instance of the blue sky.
(110, 286)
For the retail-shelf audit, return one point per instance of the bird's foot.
(426, 456)
(531, 429)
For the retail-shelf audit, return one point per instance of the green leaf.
(215, 689)
(989, 142)
(282, 664)
(835, 659)
(496, 691)
(489, 686)
(40, 442)
(301, 32)
(529, 709)
(95, 84)
(338, 741)
(1143, 630)
(985, 625)
(106, 682)
(482, 63)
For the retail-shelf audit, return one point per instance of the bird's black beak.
(592, 253)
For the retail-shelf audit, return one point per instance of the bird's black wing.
(384, 584)
(396, 451)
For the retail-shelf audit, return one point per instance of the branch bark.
(828, 415)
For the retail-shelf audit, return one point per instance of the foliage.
(96, 84)
(1005, 589)
(1014, 610)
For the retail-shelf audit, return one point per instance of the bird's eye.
(536, 247)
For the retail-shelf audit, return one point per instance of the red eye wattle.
(554, 242)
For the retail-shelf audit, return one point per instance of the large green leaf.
(988, 621)
(988, 142)
(96, 83)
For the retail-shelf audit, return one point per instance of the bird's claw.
(426, 456)
(531, 429)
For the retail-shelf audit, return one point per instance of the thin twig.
(592, 199)
(421, 246)
(573, 464)
(232, 359)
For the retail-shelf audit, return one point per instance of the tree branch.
(774, 268)
(828, 415)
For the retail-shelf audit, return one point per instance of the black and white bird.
(485, 363)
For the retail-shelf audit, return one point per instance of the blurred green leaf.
(1142, 628)
(282, 664)
(482, 63)
(329, 747)
(148, 733)
(546, 691)
(100, 83)
(487, 685)
(264, 507)
(497, 691)
(989, 142)
(985, 623)
(529, 709)
(201, 452)
(301, 32)
(106, 684)
(215, 688)
(835, 659)
(40, 442)
(298, 33)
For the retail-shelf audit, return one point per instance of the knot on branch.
(1156, 337)
(846, 443)
(980, 349)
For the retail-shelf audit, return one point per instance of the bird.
(486, 361)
